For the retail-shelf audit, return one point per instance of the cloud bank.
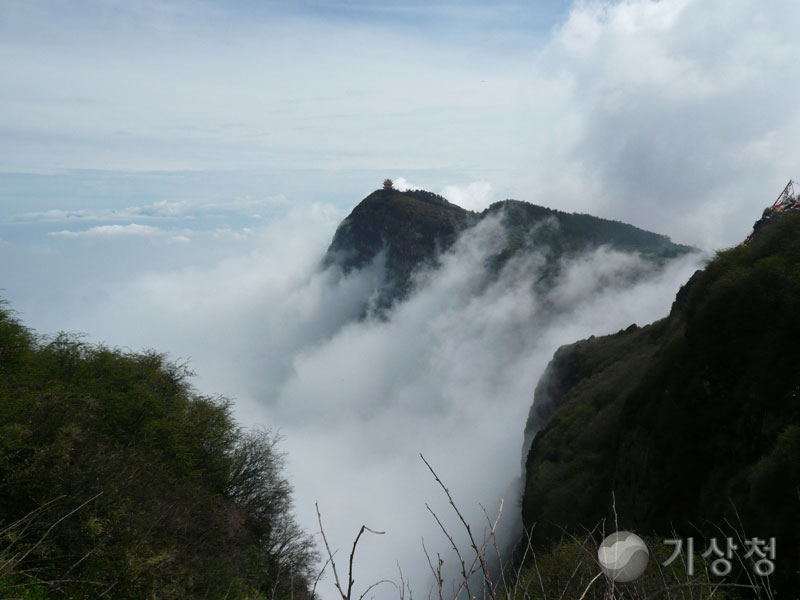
(676, 115)
(450, 373)
(110, 231)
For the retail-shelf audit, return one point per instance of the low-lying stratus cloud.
(110, 231)
(449, 373)
(161, 210)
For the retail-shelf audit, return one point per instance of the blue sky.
(580, 106)
(111, 111)
(674, 115)
(170, 85)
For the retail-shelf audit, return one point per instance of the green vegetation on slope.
(118, 480)
(691, 422)
(573, 232)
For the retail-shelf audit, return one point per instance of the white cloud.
(110, 231)
(361, 405)
(450, 373)
(675, 115)
(160, 210)
(474, 196)
(402, 184)
(270, 91)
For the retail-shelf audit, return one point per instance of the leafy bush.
(117, 479)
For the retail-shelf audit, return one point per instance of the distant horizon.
(312, 100)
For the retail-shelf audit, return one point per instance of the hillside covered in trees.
(118, 480)
(686, 427)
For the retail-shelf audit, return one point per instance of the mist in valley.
(448, 372)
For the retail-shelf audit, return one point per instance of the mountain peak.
(415, 204)
(412, 227)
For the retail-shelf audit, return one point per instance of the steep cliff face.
(409, 230)
(690, 421)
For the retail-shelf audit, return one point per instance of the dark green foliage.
(691, 422)
(571, 462)
(576, 232)
(118, 480)
(410, 227)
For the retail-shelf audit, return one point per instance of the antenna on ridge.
(787, 198)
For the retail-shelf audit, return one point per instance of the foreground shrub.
(118, 480)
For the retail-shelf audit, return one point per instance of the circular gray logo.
(623, 556)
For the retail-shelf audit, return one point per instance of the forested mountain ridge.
(688, 425)
(409, 229)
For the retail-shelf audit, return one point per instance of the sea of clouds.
(448, 373)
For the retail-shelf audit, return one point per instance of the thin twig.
(583, 595)
(480, 553)
(330, 554)
(352, 554)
